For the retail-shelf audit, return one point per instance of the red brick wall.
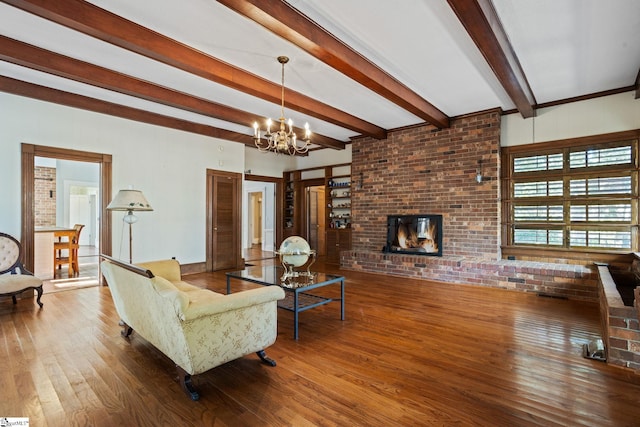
(620, 326)
(424, 170)
(45, 196)
(430, 171)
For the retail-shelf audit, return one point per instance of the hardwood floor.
(255, 253)
(409, 353)
(88, 257)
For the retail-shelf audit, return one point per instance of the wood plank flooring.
(409, 353)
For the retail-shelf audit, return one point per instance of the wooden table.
(45, 244)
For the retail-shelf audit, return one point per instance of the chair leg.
(76, 264)
(126, 329)
(70, 265)
(266, 359)
(185, 381)
(39, 291)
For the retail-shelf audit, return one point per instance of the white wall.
(596, 116)
(169, 166)
(267, 164)
(323, 158)
(271, 164)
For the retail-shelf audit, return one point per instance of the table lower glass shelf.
(305, 301)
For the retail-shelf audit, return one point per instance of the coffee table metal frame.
(297, 299)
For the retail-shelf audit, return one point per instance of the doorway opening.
(67, 193)
(62, 188)
(271, 194)
(255, 220)
(259, 220)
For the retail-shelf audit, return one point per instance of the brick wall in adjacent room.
(45, 196)
(421, 170)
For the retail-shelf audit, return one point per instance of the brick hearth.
(557, 280)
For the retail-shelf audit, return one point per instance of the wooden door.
(333, 247)
(224, 221)
(316, 218)
(337, 241)
(312, 218)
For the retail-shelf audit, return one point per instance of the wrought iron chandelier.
(281, 141)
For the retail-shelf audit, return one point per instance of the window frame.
(566, 174)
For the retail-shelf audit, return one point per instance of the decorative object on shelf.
(295, 252)
(479, 177)
(340, 203)
(281, 141)
(129, 200)
(334, 184)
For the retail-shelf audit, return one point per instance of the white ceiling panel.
(567, 48)
(571, 48)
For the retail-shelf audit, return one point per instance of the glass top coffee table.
(297, 298)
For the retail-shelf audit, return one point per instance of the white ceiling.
(567, 48)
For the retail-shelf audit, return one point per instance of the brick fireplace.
(422, 169)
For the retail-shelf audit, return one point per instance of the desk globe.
(295, 252)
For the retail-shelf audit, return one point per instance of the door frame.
(29, 153)
(278, 200)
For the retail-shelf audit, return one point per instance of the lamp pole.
(130, 218)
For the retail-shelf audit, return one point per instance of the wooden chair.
(14, 278)
(71, 247)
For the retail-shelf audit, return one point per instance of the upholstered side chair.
(14, 278)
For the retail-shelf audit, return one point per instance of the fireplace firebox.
(414, 234)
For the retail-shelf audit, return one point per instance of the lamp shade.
(129, 200)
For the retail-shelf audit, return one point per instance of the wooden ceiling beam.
(288, 23)
(89, 19)
(481, 21)
(36, 58)
(42, 93)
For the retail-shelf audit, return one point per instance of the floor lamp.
(129, 201)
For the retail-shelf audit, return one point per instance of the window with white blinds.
(574, 197)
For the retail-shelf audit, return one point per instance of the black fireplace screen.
(414, 234)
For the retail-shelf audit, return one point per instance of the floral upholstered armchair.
(196, 328)
(14, 278)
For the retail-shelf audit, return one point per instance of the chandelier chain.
(282, 92)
